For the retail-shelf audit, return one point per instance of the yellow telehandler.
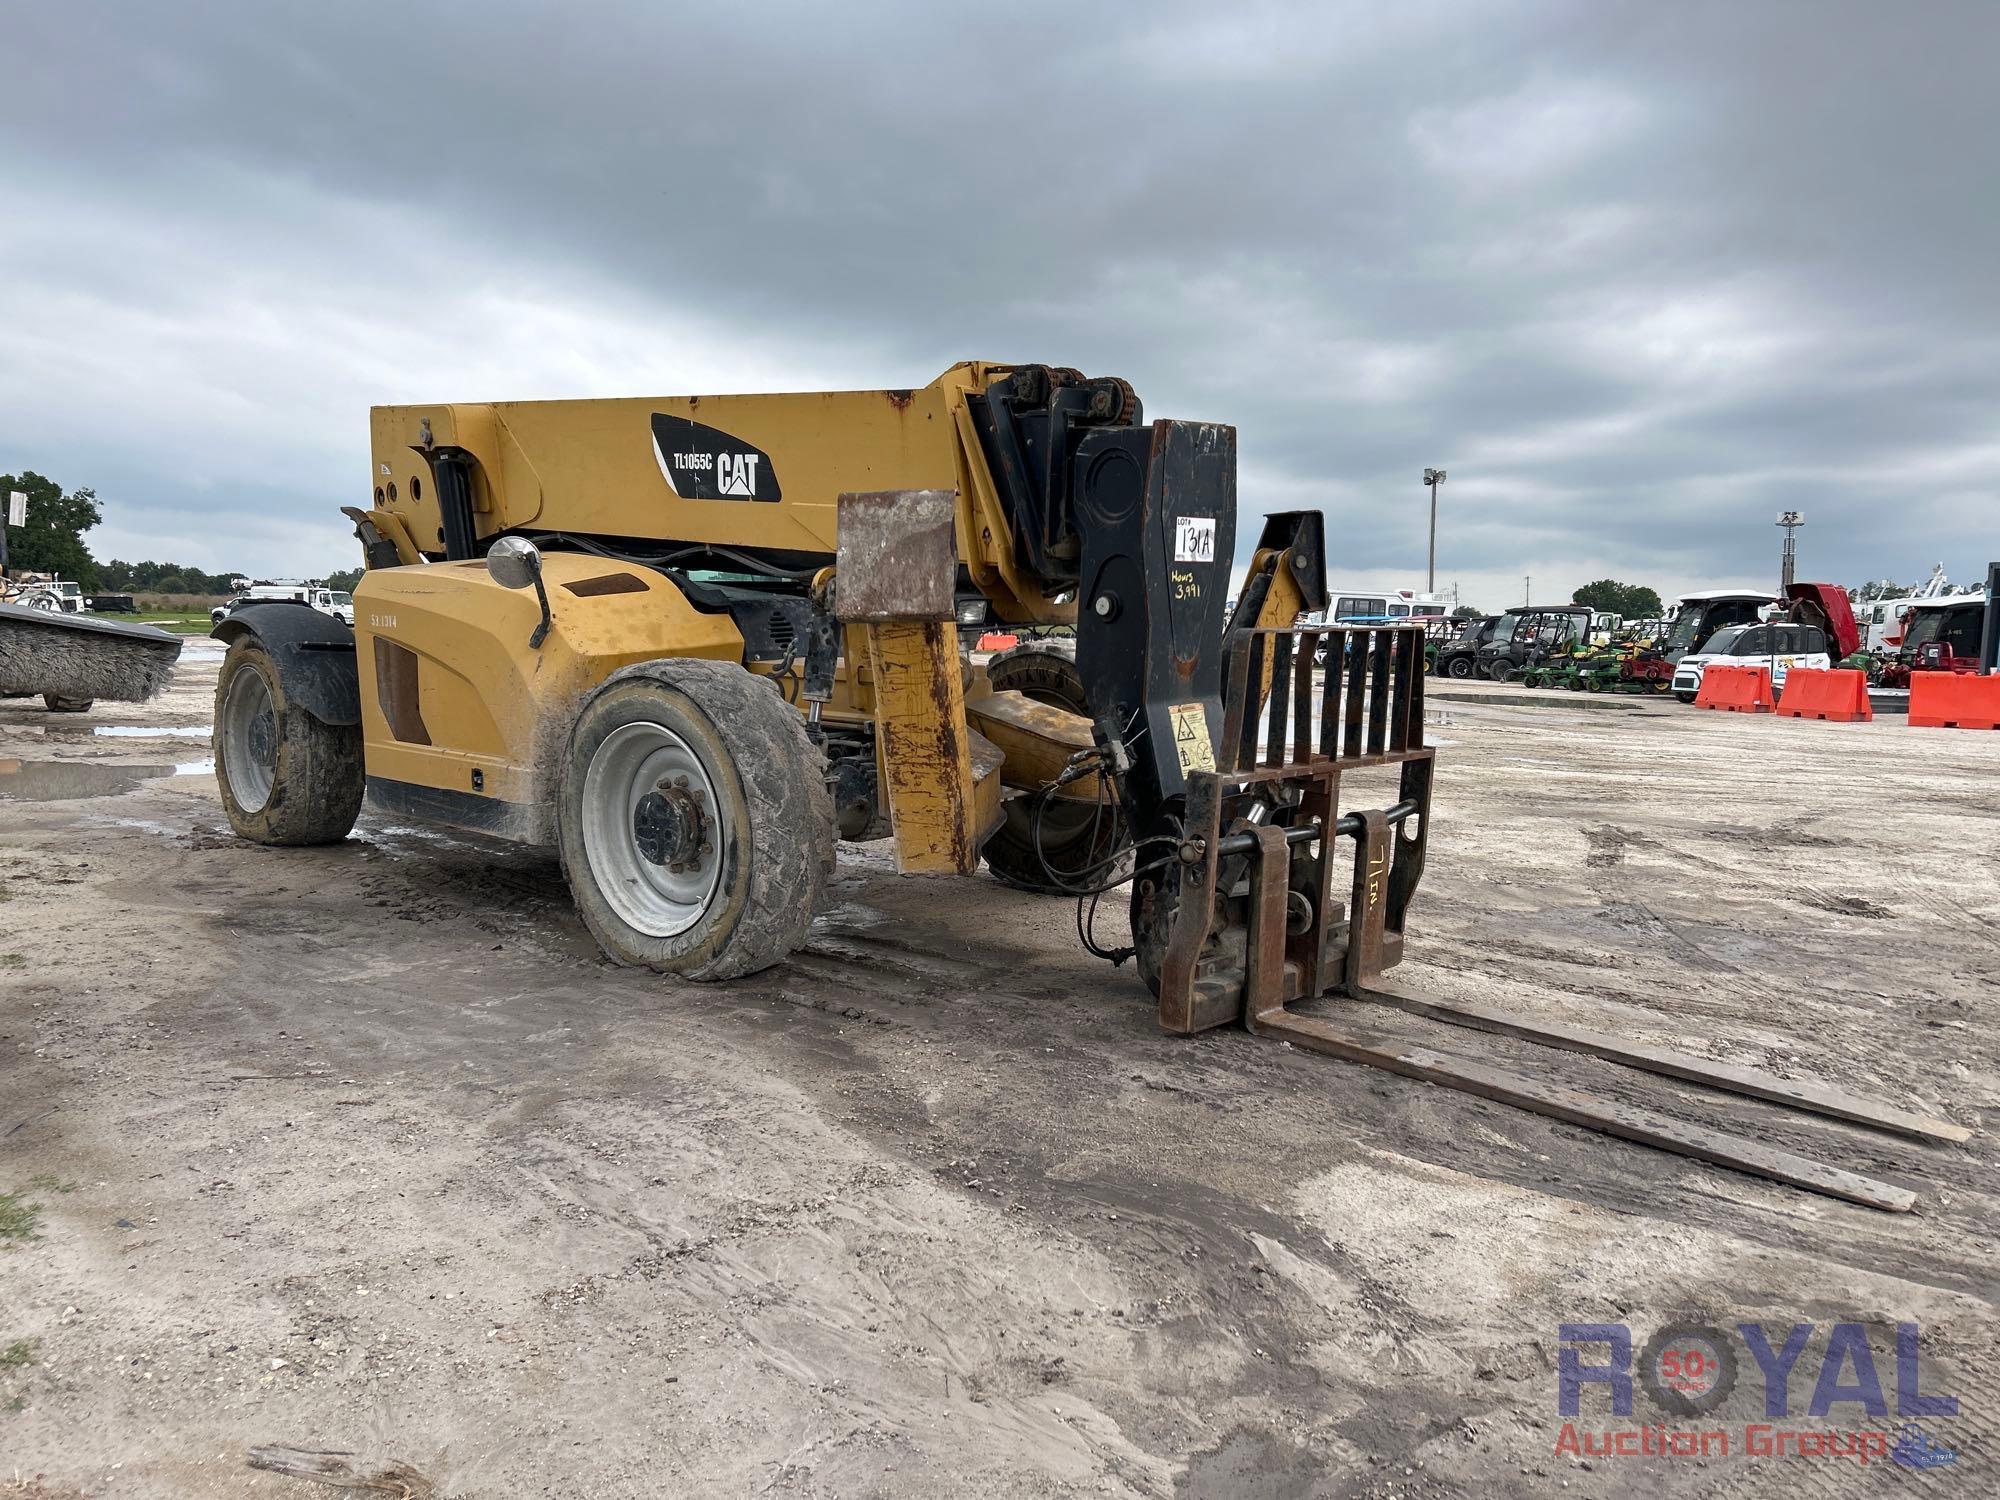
(689, 642)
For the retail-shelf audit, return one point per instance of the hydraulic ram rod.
(1243, 843)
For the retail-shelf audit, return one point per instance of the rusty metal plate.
(897, 555)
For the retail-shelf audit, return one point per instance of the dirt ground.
(364, 1149)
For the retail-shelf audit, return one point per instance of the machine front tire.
(285, 777)
(1686, 697)
(1500, 671)
(56, 704)
(694, 824)
(1458, 666)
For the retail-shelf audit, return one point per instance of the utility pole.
(1433, 478)
(1791, 521)
(1527, 590)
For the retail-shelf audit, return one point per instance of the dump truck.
(688, 643)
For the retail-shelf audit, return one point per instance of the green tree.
(1632, 600)
(344, 580)
(121, 577)
(1468, 612)
(52, 541)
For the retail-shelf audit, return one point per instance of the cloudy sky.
(1639, 276)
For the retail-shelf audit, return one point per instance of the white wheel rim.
(663, 886)
(249, 739)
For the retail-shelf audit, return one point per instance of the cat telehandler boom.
(688, 642)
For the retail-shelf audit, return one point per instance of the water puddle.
(68, 780)
(149, 732)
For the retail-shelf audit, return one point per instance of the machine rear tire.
(286, 778)
(694, 824)
(1075, 834)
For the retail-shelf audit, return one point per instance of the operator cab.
(1701, 615)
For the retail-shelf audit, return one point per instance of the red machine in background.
(1941, 635)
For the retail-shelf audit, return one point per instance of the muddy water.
(68, 780)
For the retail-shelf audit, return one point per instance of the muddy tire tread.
(316, 793)
(781, 772)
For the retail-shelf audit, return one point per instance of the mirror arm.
(542, 630)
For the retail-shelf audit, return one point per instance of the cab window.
(1756, 641)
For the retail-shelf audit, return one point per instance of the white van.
(1778, 645)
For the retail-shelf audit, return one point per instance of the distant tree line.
(117, 577)
(52, 542)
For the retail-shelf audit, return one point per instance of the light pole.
(1791, 521)
(1433, 478)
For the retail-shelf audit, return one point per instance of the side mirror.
(514, 562)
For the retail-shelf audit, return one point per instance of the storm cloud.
(1639, 277)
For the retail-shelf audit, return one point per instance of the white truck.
(1777, 644)
(1885, 622)
(336, 602)
(57, 595)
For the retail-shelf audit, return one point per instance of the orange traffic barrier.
(1954, 700)
(998, 640)
(1836, 696)
(1739, 690)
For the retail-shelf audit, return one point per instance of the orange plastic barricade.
(1740, 690)
(1954, 700)
(1836, 696)
(998, 640)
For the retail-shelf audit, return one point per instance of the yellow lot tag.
(1191, 742)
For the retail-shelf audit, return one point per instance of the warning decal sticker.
(1192, 746)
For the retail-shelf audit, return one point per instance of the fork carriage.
(1289, 735)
